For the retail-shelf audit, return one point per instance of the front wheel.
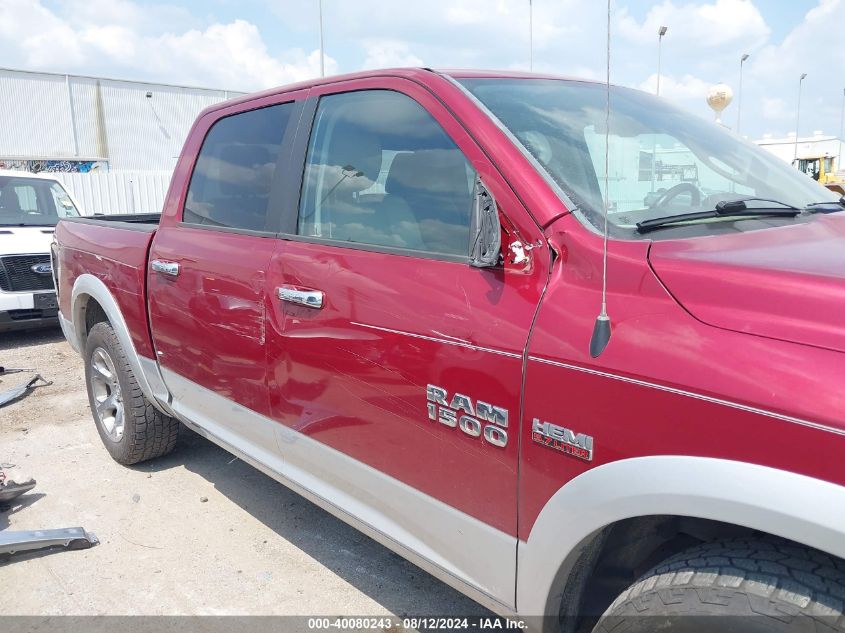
(131, 428)
(755, 585)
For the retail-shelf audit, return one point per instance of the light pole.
(530, 35)
(798, 116)
(322, 52)
(841, 130)
(660, 33)
(742, 61)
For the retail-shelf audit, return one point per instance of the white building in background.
(114, 143)
(817, 146)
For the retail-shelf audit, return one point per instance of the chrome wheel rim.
(105, 390)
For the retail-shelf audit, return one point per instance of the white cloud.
(686, 88)
(814, 47)
(118, 42)
(775, 109)
(146, 18)
(389, 54)
(231, 55)
(30, 31)
(158, 40)
(705, 25)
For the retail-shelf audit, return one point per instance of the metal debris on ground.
(27, 541)
(10, 490)
(12, 542)
(12, 370)
(10, 395)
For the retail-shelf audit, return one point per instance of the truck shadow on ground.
(387, 578)
(11, 340)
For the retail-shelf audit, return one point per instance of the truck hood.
(25, 240)
(786, 283)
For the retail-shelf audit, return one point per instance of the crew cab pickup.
(30, 207)
(382, 289)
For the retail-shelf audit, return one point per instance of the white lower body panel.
(464, 552)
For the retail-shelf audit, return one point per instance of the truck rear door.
(384, 345)
(209, 258)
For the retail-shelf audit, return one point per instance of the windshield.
(662, 161)
(33, 202)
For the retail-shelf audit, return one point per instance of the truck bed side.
(114, 251)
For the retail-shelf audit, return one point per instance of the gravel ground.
(251, 548)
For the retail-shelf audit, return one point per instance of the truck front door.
(395, 367)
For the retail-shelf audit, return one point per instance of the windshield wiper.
(24, 224)
(741, 204)
(827, 206)
(724, 209)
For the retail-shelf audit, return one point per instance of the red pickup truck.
(380, 289)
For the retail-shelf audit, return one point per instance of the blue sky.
(254, 44)
(780, 15)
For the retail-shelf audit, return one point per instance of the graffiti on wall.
(54, 166)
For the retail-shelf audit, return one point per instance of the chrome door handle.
(165, 268)
(309, 298)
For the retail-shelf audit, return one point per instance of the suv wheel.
(131, 428)
(761, 585)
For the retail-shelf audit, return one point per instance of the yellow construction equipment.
(822, 169)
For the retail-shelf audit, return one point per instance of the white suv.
(30, 207)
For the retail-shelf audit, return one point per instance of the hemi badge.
(562, 439)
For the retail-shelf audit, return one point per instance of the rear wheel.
(131, 428)
(756, 585)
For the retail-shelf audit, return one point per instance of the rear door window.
(27, 199)
(380, 171)
(235, 169)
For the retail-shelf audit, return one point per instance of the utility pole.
(742, 61)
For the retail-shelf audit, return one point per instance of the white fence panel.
(117, 191)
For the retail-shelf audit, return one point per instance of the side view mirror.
(485, 230)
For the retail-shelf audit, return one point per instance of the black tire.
(131, 428)
(757, 585)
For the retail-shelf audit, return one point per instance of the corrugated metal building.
(80, 124)
(130, 125)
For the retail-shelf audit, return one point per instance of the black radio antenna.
(601, 330)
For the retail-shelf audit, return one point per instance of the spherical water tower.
(719, 97)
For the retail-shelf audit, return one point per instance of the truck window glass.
(62, 202)
(661, 160)
(230, 186)
(26, 201)
(381, 171)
